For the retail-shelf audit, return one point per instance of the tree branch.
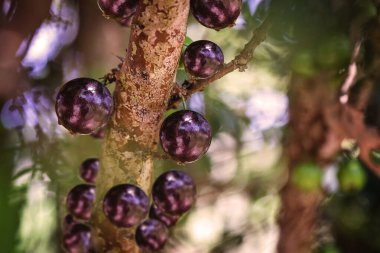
(240, 62)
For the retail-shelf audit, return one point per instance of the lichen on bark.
(143, 87)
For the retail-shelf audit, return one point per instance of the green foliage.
(335, 52)
(329, 248)
(303, 63)
(221, 117)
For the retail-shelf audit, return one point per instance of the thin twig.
(240, 62)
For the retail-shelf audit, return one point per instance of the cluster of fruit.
(125, 206)
(217, 14)
(79, 204)
(185, 136)
(351, 176)
(84, 106)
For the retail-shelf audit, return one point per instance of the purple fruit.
(127, 22)
(83, 105)
(174, 192)
(89, 170)
(185, 136)
(216, 14)
(119, 9)
(80, 201)
(125, 205)
(77, 239)
(151, 235)
(203, 58)
(157, 214)
(100, 133)
(68, 223)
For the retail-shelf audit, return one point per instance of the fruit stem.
(184, 102)
(240, 62)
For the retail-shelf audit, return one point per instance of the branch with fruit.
(133, 117)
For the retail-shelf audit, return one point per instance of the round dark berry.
(68, 223)
(151, 235)
(125, 205)
(77, 239)
(185, 136)
(83, 105)
(174, 192)
(80, 201)
(119, 9)
(127, 22)
(216, 14)
(203, 58)
(157, 214)
(100, 133)
(89, 169)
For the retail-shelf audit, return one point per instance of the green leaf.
(187, 42)
(221, 117)
(22, 173)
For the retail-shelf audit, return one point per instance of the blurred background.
(46, 43)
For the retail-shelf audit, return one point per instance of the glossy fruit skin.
(80, 200)
(203, 58)
(158, 214)
(77, 239)
(83, 105)
(151, 235)
(216, 14)
(307, 177)
(125, 205)
(351, 176)
(174, 192)
(185, 136)
(89, 170)
(127, 21)
(68, 223)
(119, 9)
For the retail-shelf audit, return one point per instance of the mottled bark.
(144, 85)
(310, 138)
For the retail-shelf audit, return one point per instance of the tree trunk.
(309, 139)
(142, 91)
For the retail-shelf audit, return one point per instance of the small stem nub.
(184, 102)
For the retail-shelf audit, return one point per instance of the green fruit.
(307, 177)
(351, 176)
(303, 63)
(367, 9)
(335, 52)
(329, 249)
